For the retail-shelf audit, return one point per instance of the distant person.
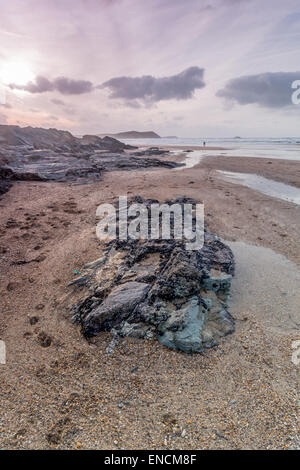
(204, 143)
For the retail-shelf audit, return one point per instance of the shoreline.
(284, 171)
(249, 378)
(281, 170)
(192, 147)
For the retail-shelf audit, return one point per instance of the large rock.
(38, 154)
(156, 288)
(121, 300)
(5, 175)
(39, 138)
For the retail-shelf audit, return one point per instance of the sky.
(190, 68)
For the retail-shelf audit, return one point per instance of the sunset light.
(18, 73)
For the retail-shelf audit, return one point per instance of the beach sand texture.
(60, 391)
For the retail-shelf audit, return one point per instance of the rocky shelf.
(156, 288)
(36, 154)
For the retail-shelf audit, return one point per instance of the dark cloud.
(67, 86)
(149, 88)
(271, 90)
(63, 85)
(58, 102)
(41, 85)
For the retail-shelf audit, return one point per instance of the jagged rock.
(120, 301)
(151, 151)
(183, 328)
(5, 175)
(30, 138)
(35, 137)
(37, 154)
(115, 161)
(195, 326)
(116, 145)
(106, 143)
(157, 288)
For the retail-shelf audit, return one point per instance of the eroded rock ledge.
(157, 288)
(36, 154)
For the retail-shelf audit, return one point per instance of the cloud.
(148, 88)
(6, 105)
(58, 102)
(270, 90)
(65, 86)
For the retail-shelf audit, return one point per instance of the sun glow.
(18, 73)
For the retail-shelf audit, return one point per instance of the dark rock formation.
(57, 140)
(52, 155)
(5, 182)
(151, 151)
(158, 288)
(114, 145)
(107, 143)
(113, 161)
(5, 176)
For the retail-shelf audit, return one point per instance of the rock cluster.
(156, 288)
(29, 138)
(5, 175)
(52, 155)
(151, 151)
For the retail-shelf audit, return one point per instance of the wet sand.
(243, 394)
(193, 147)
(284, 171)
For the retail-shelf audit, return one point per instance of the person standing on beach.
(204, 143)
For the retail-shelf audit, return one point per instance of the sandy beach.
(127, 322)
(73, 395)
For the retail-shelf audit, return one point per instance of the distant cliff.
(134, 135)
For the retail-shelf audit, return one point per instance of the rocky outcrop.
(49, 166)
(107, 143)
(5, 183)
(113, 161)
(57, 140)
(35, 137)
(5, 176)
(37, 154)
(151, 151)
(156, 288)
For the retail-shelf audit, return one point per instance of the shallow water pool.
(264, 185)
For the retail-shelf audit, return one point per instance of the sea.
(287, 148)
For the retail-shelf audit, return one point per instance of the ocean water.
(285, 148)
